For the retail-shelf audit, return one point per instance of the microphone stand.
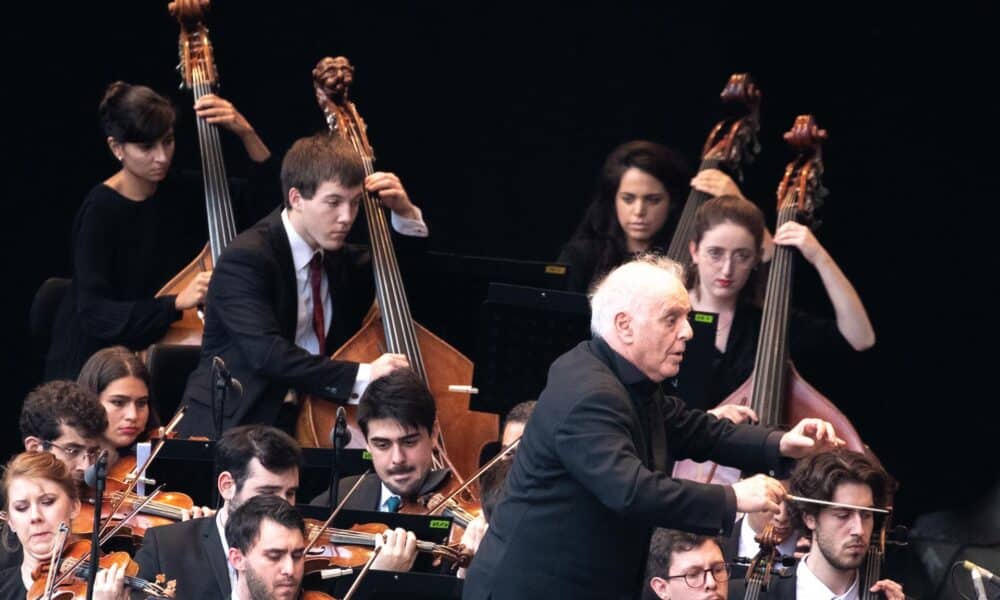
(340, 439)
(100, 475)
(221, 380)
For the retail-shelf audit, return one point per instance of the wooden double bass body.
(389, 327)
(197, 67)
(775, 390)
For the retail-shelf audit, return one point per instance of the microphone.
(95, 476)
(91, 475)
(985, 574)
(340, 435)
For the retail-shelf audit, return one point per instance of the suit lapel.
(287, 310)
(212, 545)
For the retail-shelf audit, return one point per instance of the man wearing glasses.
(62, 418)
(685, 566)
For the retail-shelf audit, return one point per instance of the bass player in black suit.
(289, 291)
(590, 479)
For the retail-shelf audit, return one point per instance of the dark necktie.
(392, 504)
(315, 278)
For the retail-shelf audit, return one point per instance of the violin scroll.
(733, 141)
(801, 186)
(197, 61)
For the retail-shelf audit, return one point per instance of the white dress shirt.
(225, 551)
(302, 253)
(809, 587)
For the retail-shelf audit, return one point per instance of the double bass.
(731, 143)
(775, 390)
(389, 327)
(198, 73)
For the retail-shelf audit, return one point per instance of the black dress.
(716, 375)
(126, 251)
(11, 586)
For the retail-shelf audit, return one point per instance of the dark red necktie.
(315, 278)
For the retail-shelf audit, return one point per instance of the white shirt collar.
(809, 587)
(302, 253)
(386, 494)
(225, 550)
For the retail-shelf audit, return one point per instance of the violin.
(352, 548)
(69, 581)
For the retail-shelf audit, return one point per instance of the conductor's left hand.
(808, 437)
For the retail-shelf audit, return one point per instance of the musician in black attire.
(589, 482)
(640, 193)
(140, 227)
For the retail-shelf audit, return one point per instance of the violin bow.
(837, 504)
(322, 529)
(132, 481)
(361, 575)
(443, 503)
(107, 535)
(57, 551)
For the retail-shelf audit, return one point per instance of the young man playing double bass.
(289, 291)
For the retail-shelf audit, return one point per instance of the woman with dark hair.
(120, 382)
(635, 209)
(138, 228)
(726, 250)
(40, 494)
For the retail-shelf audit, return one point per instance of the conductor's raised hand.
(391, 193)
(808, 437)
(758, 494)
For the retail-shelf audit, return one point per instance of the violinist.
(726, 252)
(267, 541)
(287, 292)
(635, 207)
(685, 566)
(120, 381)
(40, 495)
(840, 535)
(134, 232)
(589, 484)
(251, 460)
(397, 416)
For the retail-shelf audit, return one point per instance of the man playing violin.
(252, 460)
(398, 418)
(686, 566)
(841, 535)
(589, 481)
(289, 291)
(62, 418)
(267, 541)
(742, 543)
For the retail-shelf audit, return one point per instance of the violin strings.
(221, 221)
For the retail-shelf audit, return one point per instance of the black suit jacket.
(582, 495)
(250, 323)
(190, 552)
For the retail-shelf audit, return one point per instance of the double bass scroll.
(390, 326)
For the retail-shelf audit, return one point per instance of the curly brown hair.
(819, 476)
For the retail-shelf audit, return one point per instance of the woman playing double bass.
(136, 229)
(726, 251)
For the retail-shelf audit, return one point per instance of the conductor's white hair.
(628, 289)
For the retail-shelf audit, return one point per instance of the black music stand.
(522, 331)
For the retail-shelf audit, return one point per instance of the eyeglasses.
(696, 579)
(740, 256)
(74, 451)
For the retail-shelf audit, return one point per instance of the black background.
(497, 117)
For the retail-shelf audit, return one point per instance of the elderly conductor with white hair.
(590, 479)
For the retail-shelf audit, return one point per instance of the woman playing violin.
(134, 231)
(727, 248)
(41, 495)
(120, 381)
(634, 209)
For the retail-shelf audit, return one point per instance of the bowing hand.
(808, 437)
(391, 194)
